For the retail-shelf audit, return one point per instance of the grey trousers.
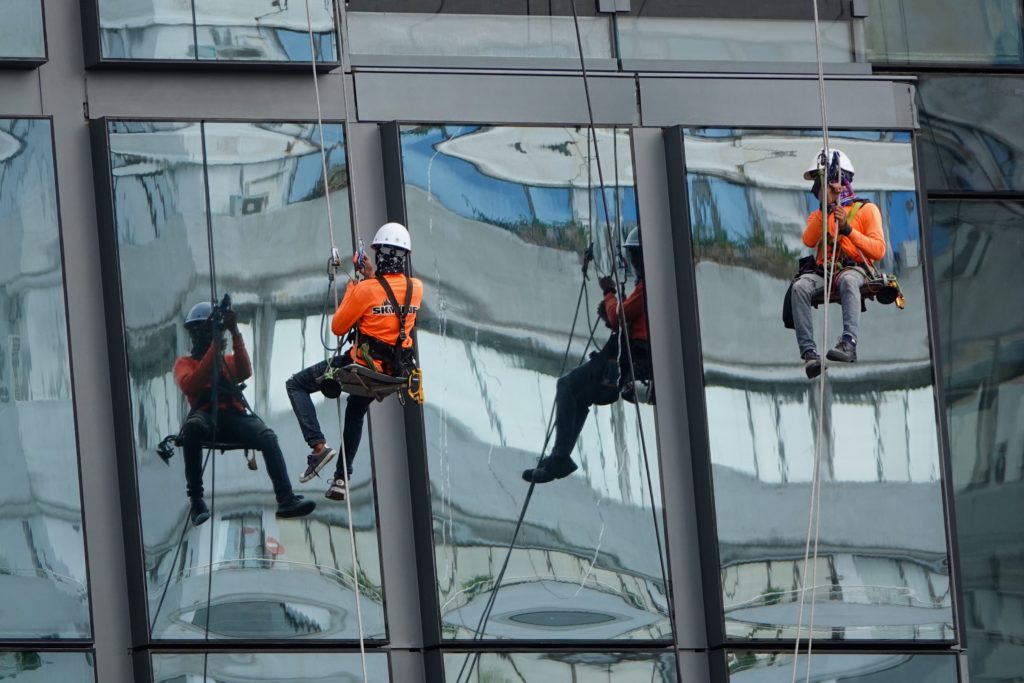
(848, 283)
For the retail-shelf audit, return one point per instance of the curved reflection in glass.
(882, 570)
(971, 137)
(215, 30)
(556, 667)
(976, 252)
(269, 668)
(43, 581)
(43, 667)
(21, 31)
(501, 217)
(777, 667)
(273, 578)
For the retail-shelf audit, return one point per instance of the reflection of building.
(675, 552)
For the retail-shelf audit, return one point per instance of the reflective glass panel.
(744, 31)
(501, 217)
(21, 31)
(215, 30)
(561, 667)
(273, 577)
(971, 136)
(475, 28)
(43, 582)
(882, 567)
(977, 249)
(269, 668)
(46, 667)
(776, 667)
(929, 31)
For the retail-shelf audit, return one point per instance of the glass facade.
(944, 31)
(257, 667)
(544, 515)
(523, 204)
(577, 667)
(44, 592)
(21, 32)
(849, 668)
(216, 31)
(42, 667)
(480, 29)
(976, 249)
(749, 32)
(972, 140)
(879, 453)
(272, 578)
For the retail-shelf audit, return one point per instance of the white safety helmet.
(392, 234)
(844, 163)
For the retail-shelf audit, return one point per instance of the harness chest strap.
(400, 313)
(854, 208)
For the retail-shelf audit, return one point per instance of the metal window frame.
(92, 43)
(124, 438)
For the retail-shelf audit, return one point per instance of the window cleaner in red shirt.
(235, 423)
(605, 377)
(382, 309)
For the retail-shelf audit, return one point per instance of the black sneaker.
(295, 506)
(812, 364)
(844, 352)
(198, 512)
(337, 490)
(316, 462)
(549, 469)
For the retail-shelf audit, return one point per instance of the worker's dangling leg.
(804, 289)
(197, 428)
(356, 408)
(251, 432)
(593, 383)
(299, 387)
(848, 282)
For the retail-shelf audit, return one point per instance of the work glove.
(607, 284)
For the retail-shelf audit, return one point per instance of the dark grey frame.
(124, 433)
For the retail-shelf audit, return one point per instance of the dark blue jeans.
(232, 427)
(593, 383)
(304, 383)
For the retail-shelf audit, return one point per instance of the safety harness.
(398, 362)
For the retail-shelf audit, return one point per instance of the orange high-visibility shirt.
(366, 305)
(866, 235)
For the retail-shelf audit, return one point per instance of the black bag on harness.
(808, 264)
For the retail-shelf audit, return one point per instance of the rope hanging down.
(814, 511)
(333, 266)
(623, 335)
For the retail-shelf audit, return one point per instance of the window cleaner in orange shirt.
(855, 225)
(382, 309)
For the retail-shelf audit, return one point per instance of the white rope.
(814, 511)
(335, 263)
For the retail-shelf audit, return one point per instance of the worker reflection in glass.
(235, 423)
(610, 373)
(861, 241)
(383, 338)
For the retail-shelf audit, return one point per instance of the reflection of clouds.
(747, 667)
(579, 667)
(277, 667)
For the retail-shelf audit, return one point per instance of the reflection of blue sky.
(870, 135)
(309, 168)
(296, 45)
(465, 190)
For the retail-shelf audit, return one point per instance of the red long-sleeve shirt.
(635, 307)
(194, 377)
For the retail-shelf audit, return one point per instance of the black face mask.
(201, 339)
(636, 261)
